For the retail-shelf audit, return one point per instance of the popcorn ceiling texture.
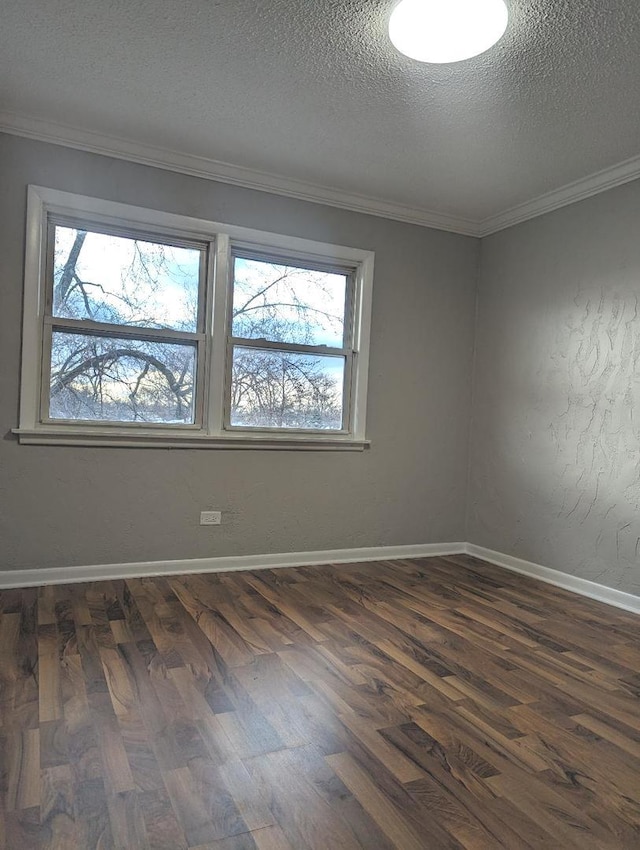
(314, 90)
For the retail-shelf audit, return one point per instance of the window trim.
(222, 239)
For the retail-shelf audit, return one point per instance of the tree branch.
(100, 360)
(69, 269)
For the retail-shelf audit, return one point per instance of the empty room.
(320, 425)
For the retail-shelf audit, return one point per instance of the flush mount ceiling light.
(442, 31)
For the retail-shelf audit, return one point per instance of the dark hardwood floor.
(435, 703)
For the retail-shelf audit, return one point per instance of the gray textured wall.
(555, 464)
(62, 505)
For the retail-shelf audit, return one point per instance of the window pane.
(124, 281)
(283, 303)
(283, 389)
(121, 380)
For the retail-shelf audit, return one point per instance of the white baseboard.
(101, 572)
(582, 586)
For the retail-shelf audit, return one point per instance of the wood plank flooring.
(433, 703)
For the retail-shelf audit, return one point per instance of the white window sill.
(162, 440)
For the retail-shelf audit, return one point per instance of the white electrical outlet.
(210, 517)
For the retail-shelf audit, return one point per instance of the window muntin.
(126, 341)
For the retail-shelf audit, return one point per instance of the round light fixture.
(442, 31)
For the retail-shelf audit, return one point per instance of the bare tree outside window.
(144, 327)
(120, 380)
(152, 287)
(125, 281)
(132, 283)
(284, 388)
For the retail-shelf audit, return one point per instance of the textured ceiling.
(313, 90)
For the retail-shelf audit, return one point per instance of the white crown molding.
(102, 572)
(571, 193)
(248, 178)
(224, 172)
(581, 586)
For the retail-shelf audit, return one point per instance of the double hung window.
(148, 328)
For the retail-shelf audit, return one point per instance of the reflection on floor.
(433, 703)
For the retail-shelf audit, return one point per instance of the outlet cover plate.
(210, 517)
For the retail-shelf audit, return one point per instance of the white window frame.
(213, 339)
